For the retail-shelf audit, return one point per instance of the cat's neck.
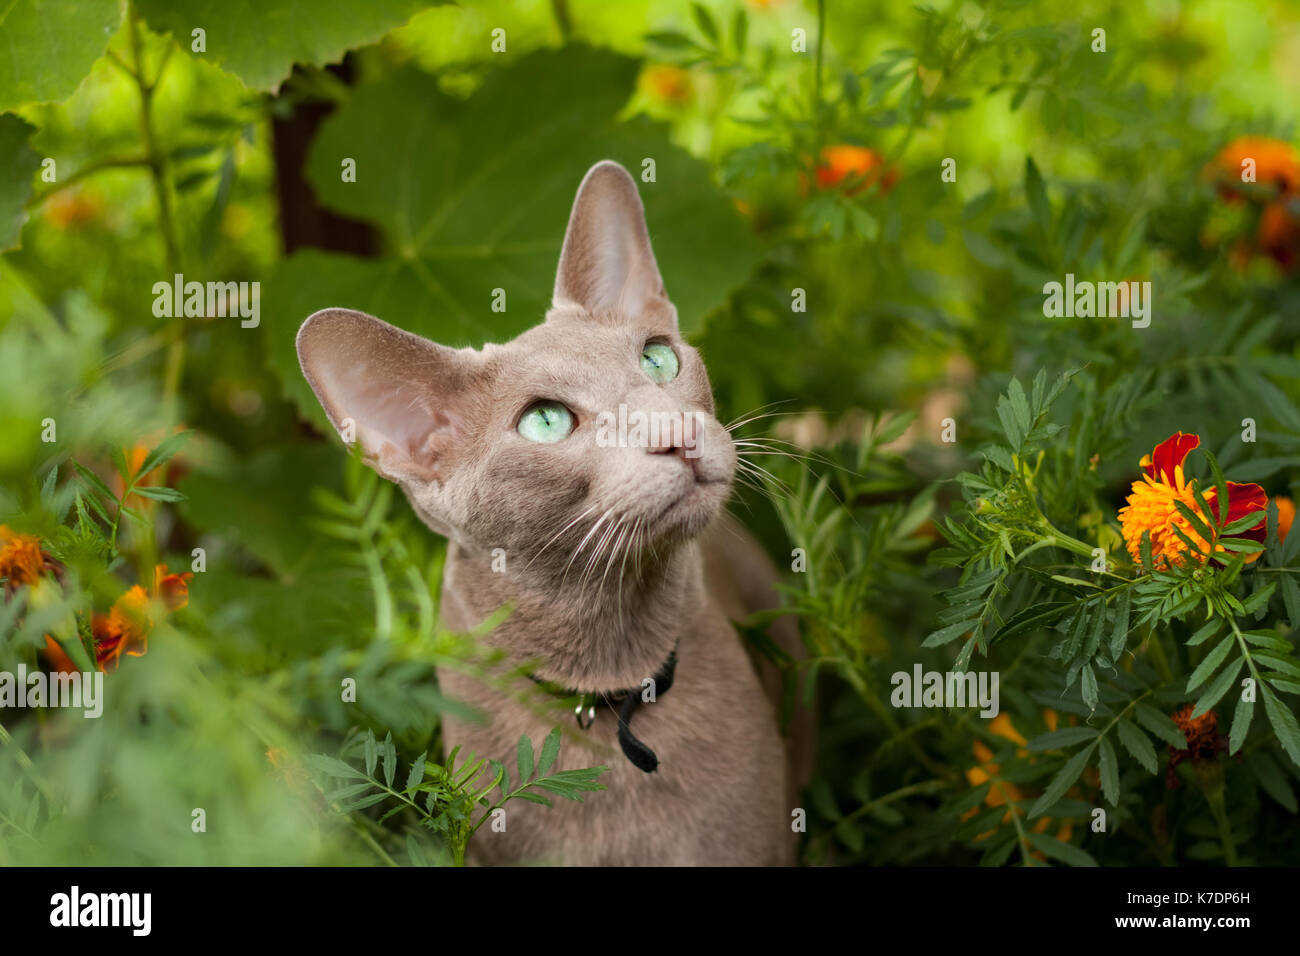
(588, 636)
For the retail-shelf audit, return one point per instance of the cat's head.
(592, 431)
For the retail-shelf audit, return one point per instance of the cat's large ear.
(402, 397)
(606, 263)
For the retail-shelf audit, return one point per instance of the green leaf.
(1271, 779)
(1278, 664)
(1220, 686)
(332, 766)
(260, 42)
(1211, 663)
(525, 757)
(1019, 405)
(1036, 193)
(50, 47)
(1137, 744)
(550, 750)
(1059, 739)
(416, 776)
(478, 196)
(1160, 725)
(531, 798)
(1109, 768)
(1062, 781)
(159, 494)
(1119, 638)
(740, 30)
(1207, 631)
(705, 22)
(390, 759)
(501, 774)
(1291, 597)
(1088, 686)
(1284, 724)
(950, 633)
(1041, 615)
(93, 481)
(1220, 491)
(372, 752)
(1240, 724)
(163, 453)
(18, 164)
(1198, 525)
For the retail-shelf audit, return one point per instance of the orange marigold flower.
(860, 166)
(1204, 742)
(1279, 231)
(21, 559)
(666, 82)
(60, 662)
(73, 209)
(1153, 504)
(125, 628)
(1277, 164)
(1002, 792)
(1285, 516)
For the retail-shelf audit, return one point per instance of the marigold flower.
(666, 82)
(1153, 505)
(860, 165)
(1285, 516)
(1002, 792)
(21, 559)
(1204, 742)
(125, 628)
(73, 209)
(1279, 231)
(1277, 164)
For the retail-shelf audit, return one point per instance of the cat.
(620, 562)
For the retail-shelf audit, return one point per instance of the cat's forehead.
(568, 333)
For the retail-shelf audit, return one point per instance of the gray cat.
(621, 563)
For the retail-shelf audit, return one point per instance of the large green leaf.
(260, 40)
(49, 46)
(474, 195)
(18, 164)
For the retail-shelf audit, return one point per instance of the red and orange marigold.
(1153, 504)
(859, 166)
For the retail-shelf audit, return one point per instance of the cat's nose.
(676, 447)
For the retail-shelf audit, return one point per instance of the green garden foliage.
(859, 210)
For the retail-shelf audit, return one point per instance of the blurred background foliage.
(784, 168)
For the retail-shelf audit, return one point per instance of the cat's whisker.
(583, 543)
(593, 561)
(758, 418)
(558, 534)
(757, 412)
(759, 469)
(749, 477)
(613, 552)
(758, 446)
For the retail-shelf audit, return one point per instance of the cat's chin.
(691, 512)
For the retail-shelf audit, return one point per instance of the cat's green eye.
(546, 422)
(659, 361)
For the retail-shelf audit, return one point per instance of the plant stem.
(564, 21)
(25, 762)
(1215, 800)
(157, 162)
(817, 75)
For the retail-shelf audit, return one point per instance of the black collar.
(641, 756)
